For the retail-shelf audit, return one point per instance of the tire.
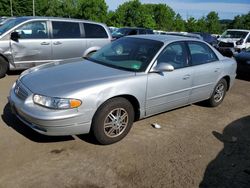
(106, 127)
(3, 67)
(218, 93)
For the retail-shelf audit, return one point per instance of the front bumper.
(48, 121)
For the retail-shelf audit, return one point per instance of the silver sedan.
(130, 79)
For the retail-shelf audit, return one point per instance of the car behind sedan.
(132, 78)
(243, 63)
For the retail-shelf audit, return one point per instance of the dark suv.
(130, 31)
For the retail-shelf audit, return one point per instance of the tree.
(201, 25)
(213, 23)
(129, 14)
(241, 22)
(5, 8)
(163, 16)
(95, 10)
(179, 24)
(191, 24)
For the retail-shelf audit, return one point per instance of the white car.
(233, 41)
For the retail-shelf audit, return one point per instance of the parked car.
(129, 79)
(29, 41)
(208, 38)
(233, 41)
(243, 63)
(121, 32)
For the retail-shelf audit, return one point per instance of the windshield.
(234, 34)
(121, 31)
(132, 54)
(10, 24)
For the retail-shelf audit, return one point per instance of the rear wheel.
(113, 120)
(218, 93)
(3, 67)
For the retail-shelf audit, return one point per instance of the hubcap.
(219, 93)
(116, 122)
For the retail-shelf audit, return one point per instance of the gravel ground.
(196, 146)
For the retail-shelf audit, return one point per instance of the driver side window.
(174, 54)
(33, 30)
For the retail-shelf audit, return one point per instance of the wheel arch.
(227, 78)
(134, 102)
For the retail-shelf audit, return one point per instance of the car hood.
(61, 79)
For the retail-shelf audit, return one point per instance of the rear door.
(67, 40)
(34, 45)
(207, 70)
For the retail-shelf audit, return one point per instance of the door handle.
(45, 43)
(57, 43)
(186, 77)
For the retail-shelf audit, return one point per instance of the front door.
(33, 46)
(168, 90)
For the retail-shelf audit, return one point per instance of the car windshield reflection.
(132, 54)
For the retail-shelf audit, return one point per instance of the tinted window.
(94, 31)
(142, 31)
(66, 30)
(131, 54)
(174, 54)
(201, 53)
(33, 30)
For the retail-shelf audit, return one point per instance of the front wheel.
(218, 93)
(113, 120)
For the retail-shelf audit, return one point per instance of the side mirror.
(163, 67)
(14, 36)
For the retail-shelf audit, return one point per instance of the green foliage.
(131, 13)
(241, 22)
(5, 8)
(213, 23)
(95, 10)
(191, 24)
(179, 23)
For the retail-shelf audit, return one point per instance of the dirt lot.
(196, 146)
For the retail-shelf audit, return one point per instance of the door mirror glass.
(163, 67)
(14, 36)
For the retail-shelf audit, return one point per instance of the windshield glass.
(132, 54)
(234, 34)
(10, 24)
(121, 31)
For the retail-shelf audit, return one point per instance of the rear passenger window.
(66, 30)
(94, 31)
(201, 53)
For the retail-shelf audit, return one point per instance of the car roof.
(56, 18)
(164, 38)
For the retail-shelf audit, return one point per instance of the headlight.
(240, 42)
(56, 103)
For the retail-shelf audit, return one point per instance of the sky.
(226, 9)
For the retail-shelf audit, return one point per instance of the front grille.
(226, 44)
(21, 91)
